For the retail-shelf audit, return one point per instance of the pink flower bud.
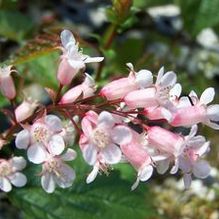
(87, 89)
(189, 116)
(141, 98)
(65, 72)
(25, 110)
(118, 88)
(165, 140)
(157, 113)
(135, 154)
(6, 83)
(136, 80)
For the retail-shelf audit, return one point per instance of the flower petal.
(18, 163)
(56, 145)
(121, 135)
(184, 164)
(90, 153)
(67, 38)
(67, 176)
(18, 179)
(135, 185)
(213, 112)
(144, 78)
(193, 131)
(93, 59)
(54, 123)
(203, 149)
(201, 169)
(187, 179)
(48, 183)
(69, 155)
(145, 173)
(106, 119)
(162, 166)
(176, 90)
(22, 140)
(166, 114)
(76, 64)
(160, 75)
(111, 154)
(36, 153)
(193, 94)
(93, 174)
(196, 141)
(169, 79)
(86, 127)
(212, 125)
(207, 96)
(5, 184)
(184, 102)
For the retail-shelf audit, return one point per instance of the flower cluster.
(116, 130)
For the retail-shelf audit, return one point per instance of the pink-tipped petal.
(66, 72)
(86, 127)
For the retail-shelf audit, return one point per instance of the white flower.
(100, 139)
(71, 51)
(55, 171)
(10, 173)
(43, 136)
(189, 161)
(192, 110)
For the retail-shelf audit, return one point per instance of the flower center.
(5, 169)
(163, 93)
(100, 138)
(53, 166)
(41, 133)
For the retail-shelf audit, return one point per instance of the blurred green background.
(181, 35)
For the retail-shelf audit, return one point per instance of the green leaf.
(199, 14)
(3, 101)
(41, 69)
(149, 3)
(108, 198)
(14, 25)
